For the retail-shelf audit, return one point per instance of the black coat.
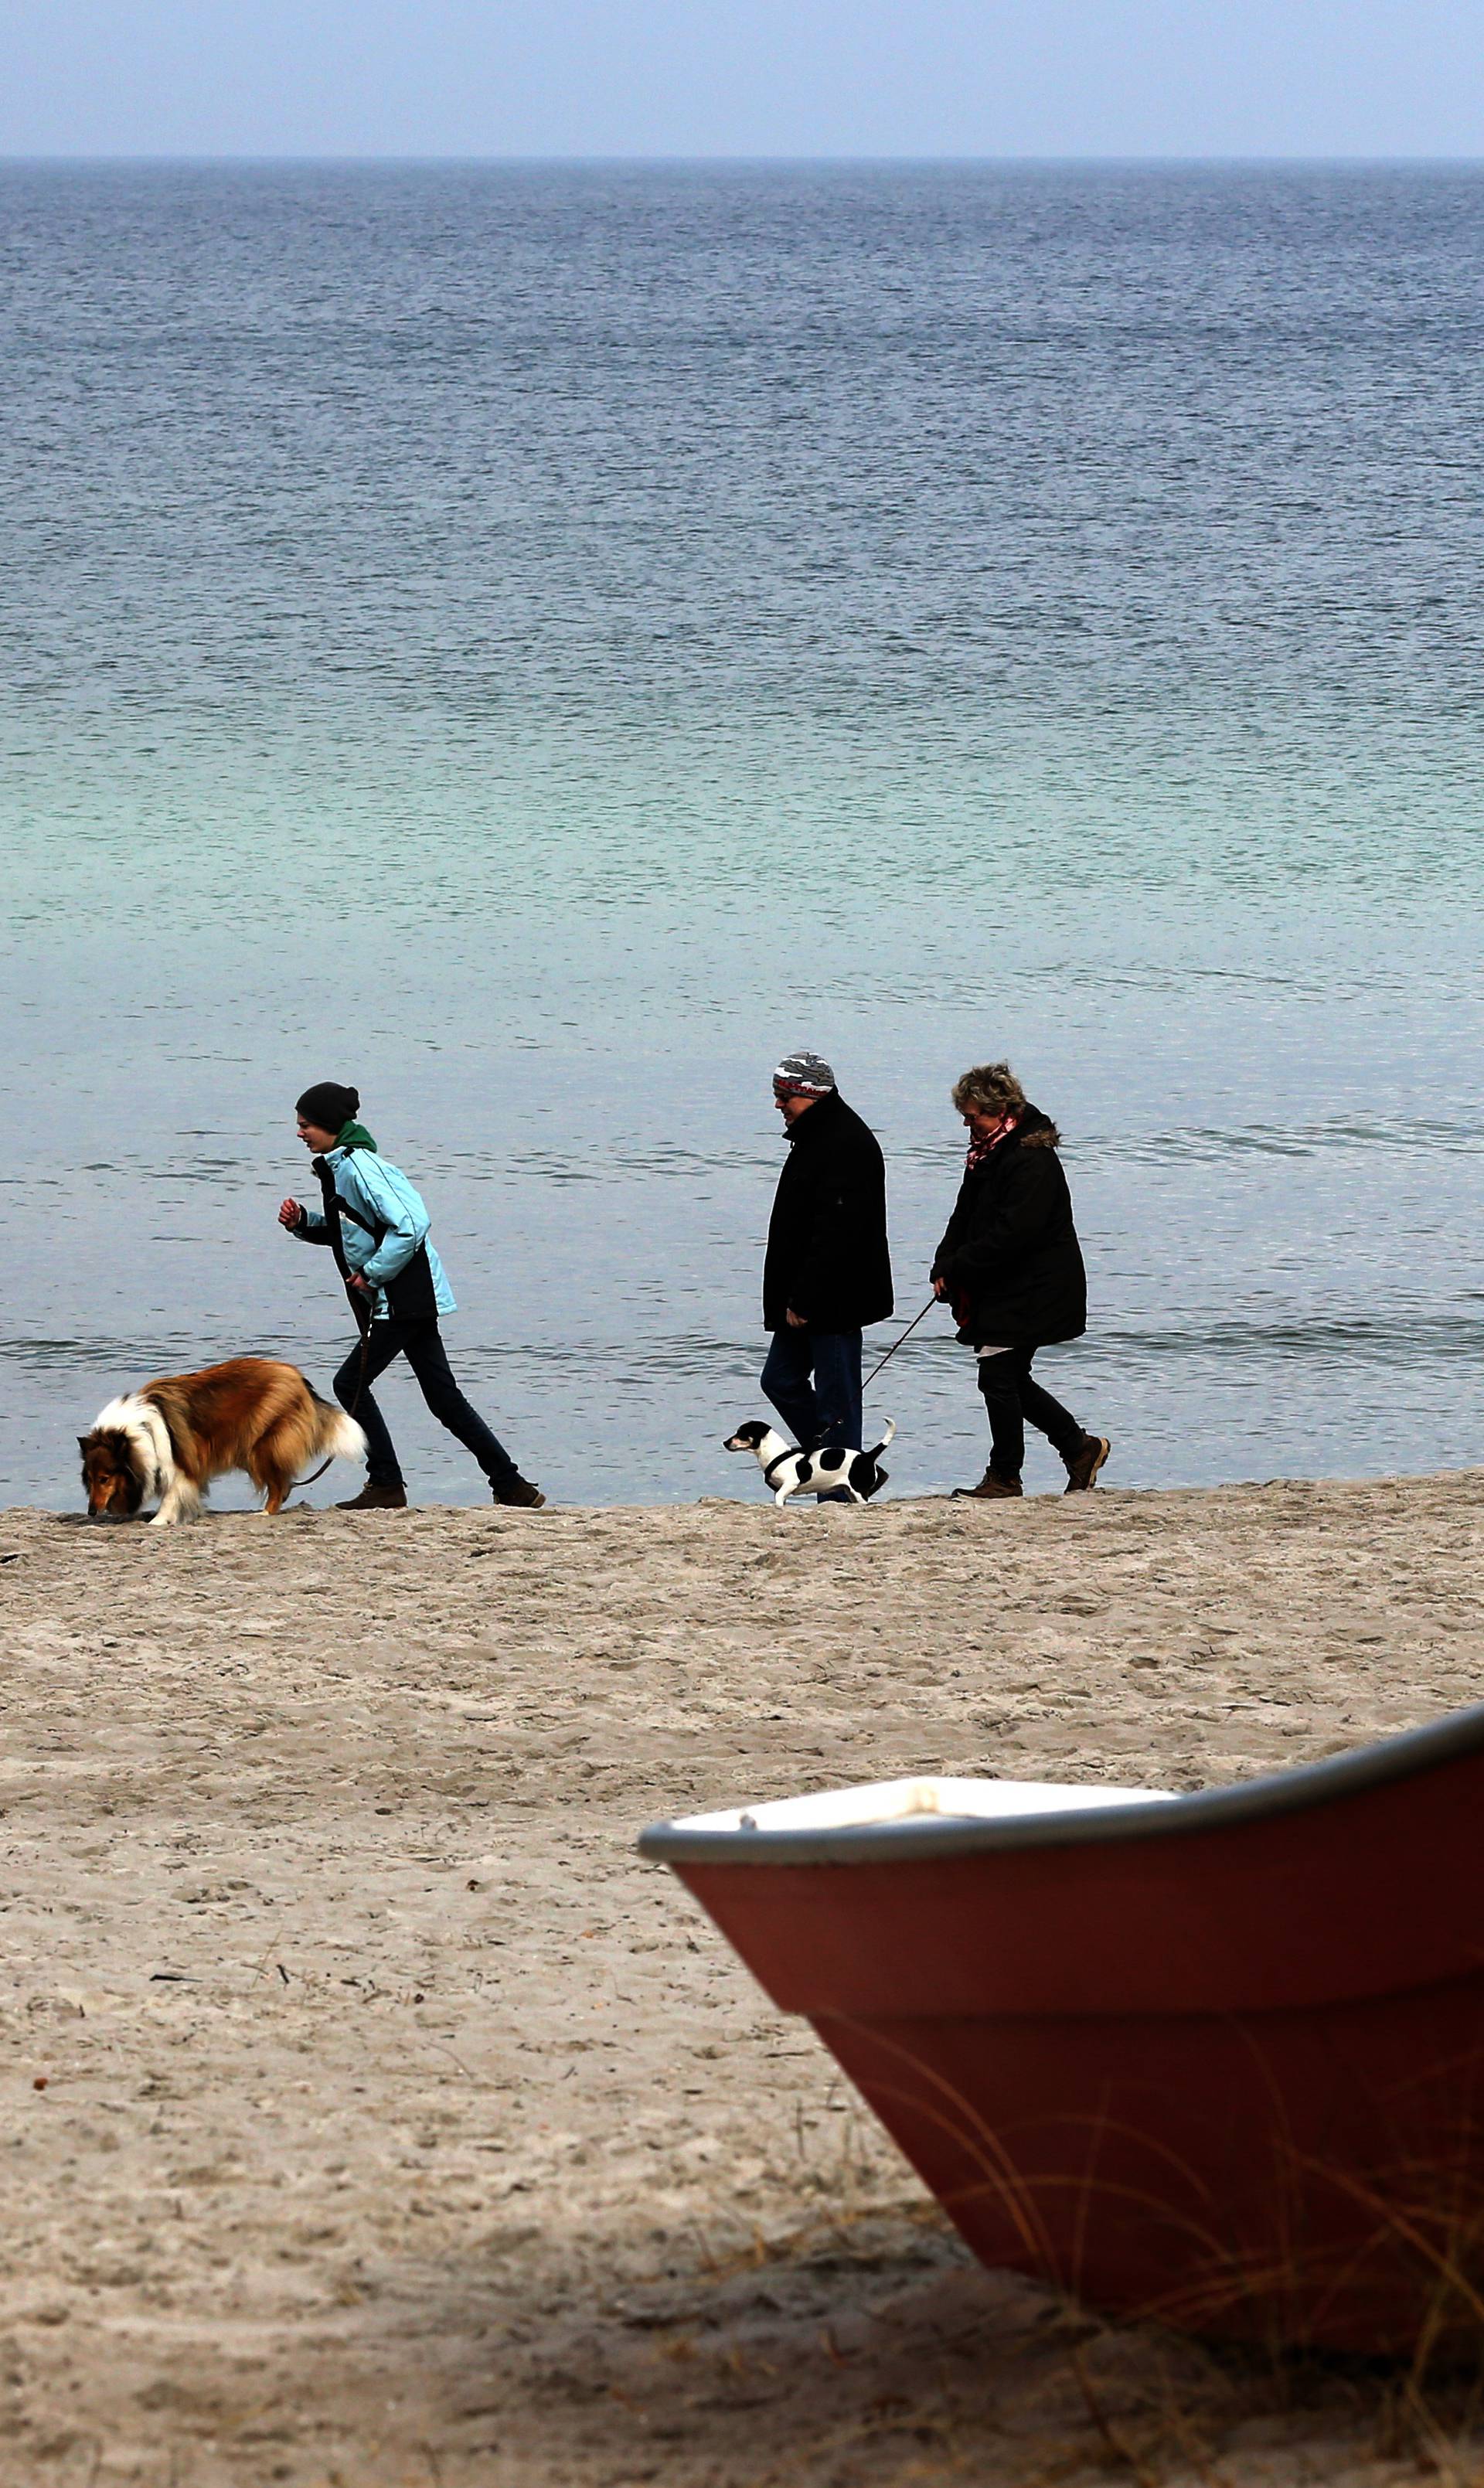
(1010, 1258)
(828, 1257)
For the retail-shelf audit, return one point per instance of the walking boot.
(375, 1498)
(519, 1492)
(992, 1485)
(1083, 1466)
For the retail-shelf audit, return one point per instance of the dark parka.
(1010, 1258)
(827, 1256)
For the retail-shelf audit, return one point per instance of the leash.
(362, 1313)
(364, 1327)
(897, 1343)
(353, 1298)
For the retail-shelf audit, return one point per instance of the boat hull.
(1224, 2068)
(1292, 2176)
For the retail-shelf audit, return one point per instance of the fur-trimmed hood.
(1037, 1131)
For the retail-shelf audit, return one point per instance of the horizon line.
(573, 157)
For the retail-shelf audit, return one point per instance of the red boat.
(1217, 2060)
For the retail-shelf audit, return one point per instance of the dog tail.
(335, 1433)
(891, 1429)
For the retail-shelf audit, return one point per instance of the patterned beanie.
(803, 1075)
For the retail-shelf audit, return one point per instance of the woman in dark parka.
(1011, 1267)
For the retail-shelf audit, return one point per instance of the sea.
(537, 641)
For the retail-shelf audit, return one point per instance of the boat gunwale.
(906, 1838)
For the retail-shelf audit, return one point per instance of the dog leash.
(352, 1297)
(897, 1343)
(363, 1326)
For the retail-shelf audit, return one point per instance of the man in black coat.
(1011, 1267)
(828, 1270)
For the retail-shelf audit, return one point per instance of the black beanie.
(328, 1106)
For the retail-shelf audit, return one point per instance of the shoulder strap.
(333, 1206)
(335, 1210)
(369, 1227)
(337, 1207)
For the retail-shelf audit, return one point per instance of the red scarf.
(979, 1150)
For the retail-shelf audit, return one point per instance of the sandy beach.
(373, 2115)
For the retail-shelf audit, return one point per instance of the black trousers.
(423, 1349)
(1010, 1399)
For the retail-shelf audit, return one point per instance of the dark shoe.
(992, 1485)
(520, 1492)
(1083, 1466)
(375, 1498)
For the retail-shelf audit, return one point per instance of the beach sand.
(400, 2127)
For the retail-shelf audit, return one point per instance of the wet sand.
(372, 2115)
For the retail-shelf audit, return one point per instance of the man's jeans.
(423, 1349)
(1011, 1399)
(828, 1409)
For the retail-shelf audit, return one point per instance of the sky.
(742, 77)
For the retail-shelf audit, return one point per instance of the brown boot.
(992, 1485)
(375, 1498)
(520, 1492)
(1083, 1466)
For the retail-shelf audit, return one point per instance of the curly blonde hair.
(989, 1088)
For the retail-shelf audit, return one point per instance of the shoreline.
(1050, 1491)
(395, 2114)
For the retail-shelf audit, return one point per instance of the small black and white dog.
(827, 1471)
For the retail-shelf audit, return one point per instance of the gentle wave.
(1200, 1144)
(1360, 1338)
(638, 1363)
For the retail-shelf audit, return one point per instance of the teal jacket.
(383, 1225)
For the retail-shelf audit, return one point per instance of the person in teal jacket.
(375, 1223)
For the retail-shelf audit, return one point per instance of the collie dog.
(165, 1443)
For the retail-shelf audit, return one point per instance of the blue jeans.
(423, 1349)
(825, 1409)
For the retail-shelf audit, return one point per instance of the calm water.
(540, 641)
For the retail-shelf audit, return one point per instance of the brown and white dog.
(165, 1443)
